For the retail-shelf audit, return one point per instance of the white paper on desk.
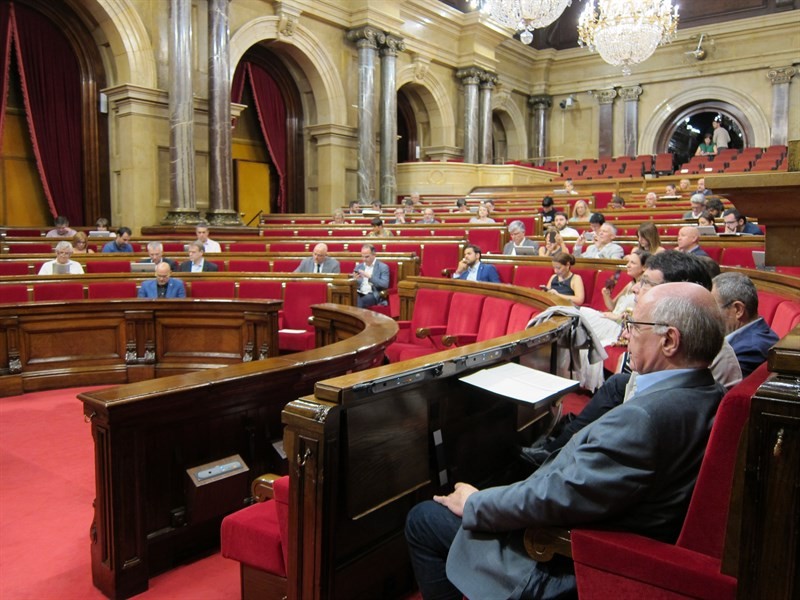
(291, 331)
(519, 383)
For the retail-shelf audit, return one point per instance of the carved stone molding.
(781, 75)
(288, 17)
(392, 45)
(605, 96)
(368, 37)
(542, 102)
(422, 66)
(471, 75)
(630, 94)
(488, 80)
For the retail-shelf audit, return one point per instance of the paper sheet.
(520, 383)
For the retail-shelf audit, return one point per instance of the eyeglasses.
(630, 325)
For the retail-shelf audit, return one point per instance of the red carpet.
(46, 493)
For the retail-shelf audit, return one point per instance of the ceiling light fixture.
(522, 15)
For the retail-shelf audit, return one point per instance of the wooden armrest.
(424, 332)
(542, 544)
(459, 339)
(261, 488)
(448, 272)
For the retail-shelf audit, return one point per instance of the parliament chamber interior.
(286, 416)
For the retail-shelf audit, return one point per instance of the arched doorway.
(684, 130)
(407, 140)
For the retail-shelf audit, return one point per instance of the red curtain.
(51, 87)
(5, 55)
(271, 112)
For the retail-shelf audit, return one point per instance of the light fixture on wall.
(523, 15)
(627, 32)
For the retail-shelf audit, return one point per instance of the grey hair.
(613, 229)
(699, 198)
(739, 287)
(198, 245)
(61, 246)
(515, 226)
(155, 246)
(700, 326)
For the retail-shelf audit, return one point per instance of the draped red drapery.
(50, 78)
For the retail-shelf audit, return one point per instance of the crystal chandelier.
(626, 32)
(523, 15)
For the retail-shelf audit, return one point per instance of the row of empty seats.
(732, 160)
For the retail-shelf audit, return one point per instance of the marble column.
(388, 169)
(605, 98)
(781, 78)
(488, 81)
(540, 105)
(220, 184)
(367, 40)
(470, 78)
(183, 203)
(630, 129)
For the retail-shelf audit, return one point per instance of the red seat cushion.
(252, 536)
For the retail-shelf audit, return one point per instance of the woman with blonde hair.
(80, 244)
(649, 239)
(580, 212)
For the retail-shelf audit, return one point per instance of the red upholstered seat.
(487, 239)
(8, 267)
(175, 247)
(588, 276)
(109, 290)
(532, 277)
(714, 252)
(261, 290)
(738, 257)
(212, 289)
(437, 257)
(601, 278)
(519, 317)
(14, 294)
(57, 291)
(288, 247)
(505, 271)
(787, 317)
(260, 247)
(285, 266)
(108, 266)
(493, 323)
(26, 248)
(252, 266)
(430, 308)
(626, 565)
(298, 296)
(768, 302)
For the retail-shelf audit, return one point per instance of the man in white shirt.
(209, 245)
(603, 247)
(372, 277)
(721, 136)
(560, 221)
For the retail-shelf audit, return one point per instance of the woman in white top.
(483, 216)
(62, 262)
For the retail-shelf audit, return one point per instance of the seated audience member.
(483, 215)
(319, 262)
(516, 231)
(489, 204)
(596, 221)
(62, 228)
(553, 243)
(428, 217)
(372, 278)
(376, 206)
(706, 220)
(580, 212)
(121, 243)
(736, 222)
(102, 224)
(651, 200)
(560, 222)
(603, 246)
(707, 147)
(197, 262)
(649, 239)
(416, 200)
(399, 217)
(607, 324)
(670, 191)
(164, 285)
(80, 244)
(378, 229)
(747, 332)
(355, 208)
(564, 283)
(698, 206)
(702, 189)
(684, 186)
(156, 252)
(617, 202)
(569, 187)
(209, 245)
(715, 207)
(548, 211)
(634, 469)
(688, 241)
(408, 204)
(472, 269)
(461, 206)
(668, 267)
(338, 218)
(62, 264)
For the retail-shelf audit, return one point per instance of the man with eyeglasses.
(665, 267)
(736, 222)
(633, 470)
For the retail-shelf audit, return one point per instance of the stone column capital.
(470, 76)
(540, 102)
(391, 45)
(781, 74)
(488, 80)
(631, 93)
(605, 96)
(366, 37)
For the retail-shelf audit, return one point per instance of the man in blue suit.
(633, 469)
(748, 333)
(163, 286)
(472, 269)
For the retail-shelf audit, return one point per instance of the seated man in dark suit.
(156, 252)
(319, 262)
(197, 263)
(747, 332)
(163, 286)
(472, 269)
(688, 241)
(634, 469)
(372, 277)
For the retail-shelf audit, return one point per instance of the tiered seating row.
(732, 160)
